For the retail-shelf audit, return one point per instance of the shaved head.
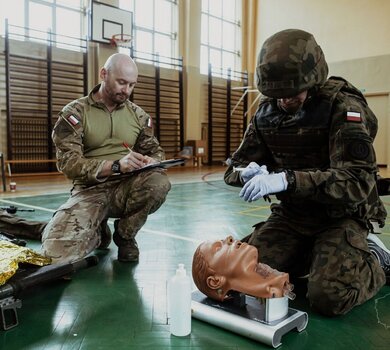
(118, 78)
(120, 60)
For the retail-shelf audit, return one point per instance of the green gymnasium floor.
(123, 306)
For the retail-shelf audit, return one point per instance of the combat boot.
(105, 235)
(381, 252)
(127, 248)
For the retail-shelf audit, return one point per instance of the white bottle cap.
(181, 271)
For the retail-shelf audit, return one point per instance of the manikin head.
(230, 265)
(118, 76)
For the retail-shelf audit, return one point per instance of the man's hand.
(262, 185)
(252, 170)
(149, 160)
(133, 161)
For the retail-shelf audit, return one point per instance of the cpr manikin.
(228, 265)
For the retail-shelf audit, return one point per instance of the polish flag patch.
(73, 120)
(150, 122)
(354, 117)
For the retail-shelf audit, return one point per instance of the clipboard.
(165, 164)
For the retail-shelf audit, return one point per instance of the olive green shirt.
(105, 132)
(86, 134)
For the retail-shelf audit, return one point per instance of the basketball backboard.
(107, 20)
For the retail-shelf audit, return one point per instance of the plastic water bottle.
(179, 303)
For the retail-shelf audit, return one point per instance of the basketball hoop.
(121, 40)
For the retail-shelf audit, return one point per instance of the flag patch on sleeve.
(353, 116)
(73, 120)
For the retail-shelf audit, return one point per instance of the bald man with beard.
(89, 137)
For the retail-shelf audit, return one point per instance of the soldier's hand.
(262, 185)
(132, 161)
(149, 160)
(252, 170)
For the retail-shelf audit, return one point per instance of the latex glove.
(252, 170)
(262, 185)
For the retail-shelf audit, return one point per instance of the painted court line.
(159, 233)
(172, 235)
(17, 204)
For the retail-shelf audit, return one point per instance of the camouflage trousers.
(342, 272)
(21, 227)
(73, 231)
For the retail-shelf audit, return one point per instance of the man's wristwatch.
(116, 167)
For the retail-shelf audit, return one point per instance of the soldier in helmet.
(311, 144)
(100, 140)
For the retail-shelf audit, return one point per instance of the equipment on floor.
(9, 237)
(12, 209)
(29, 278)
(265, 322)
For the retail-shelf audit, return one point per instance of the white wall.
(345, 29)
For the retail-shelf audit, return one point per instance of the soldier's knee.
(69, 245)
(63, 250)
(158, 186)
(164, 184)
(330, 299)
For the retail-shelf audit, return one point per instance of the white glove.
(252, 170)
(261, 185)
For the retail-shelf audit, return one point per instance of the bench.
(6, 167)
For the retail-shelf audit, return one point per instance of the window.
(14, 11)
(155, 27)
(220, 36)
(35, 18)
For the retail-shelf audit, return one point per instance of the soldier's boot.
(127, 248)
(105, 235)
(381, 252)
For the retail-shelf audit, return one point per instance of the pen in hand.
(125, 145)
(144, 160)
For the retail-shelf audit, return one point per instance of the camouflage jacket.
(327, 147)
(76, 122)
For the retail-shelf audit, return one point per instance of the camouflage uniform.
(86, 135)
(320, 225)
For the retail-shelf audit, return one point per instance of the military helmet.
(290, 62)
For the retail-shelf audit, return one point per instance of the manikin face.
(231, 265)
(294, 103)
(230, 256)
(118, 83)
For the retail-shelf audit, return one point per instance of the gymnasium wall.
(354, 34)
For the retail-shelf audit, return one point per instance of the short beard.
(120, 98)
